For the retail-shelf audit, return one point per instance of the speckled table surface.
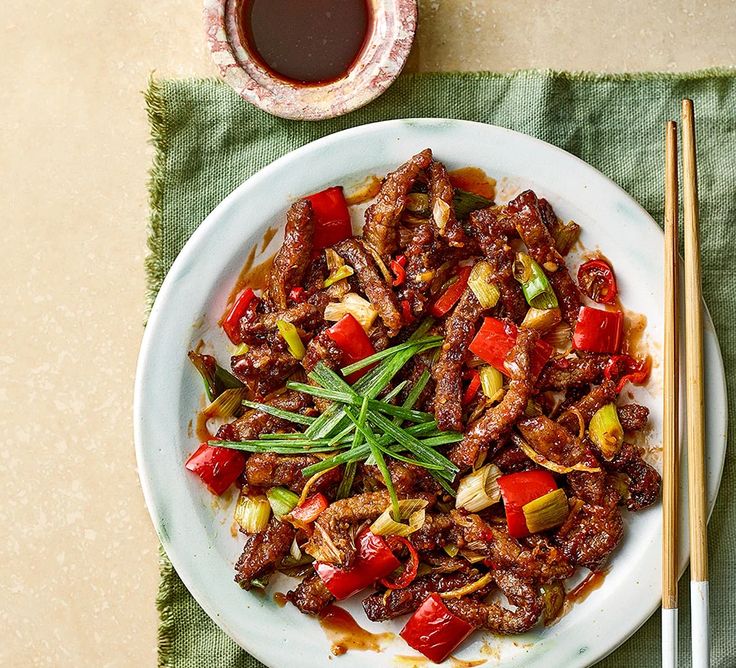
(78, 553)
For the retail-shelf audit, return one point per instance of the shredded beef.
(263, 552)
(382, 218)
(292, 260)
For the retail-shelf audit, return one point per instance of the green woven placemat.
(208, 141)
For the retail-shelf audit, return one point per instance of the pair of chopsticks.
(694, 393)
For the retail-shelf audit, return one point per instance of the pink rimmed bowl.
(387, 47)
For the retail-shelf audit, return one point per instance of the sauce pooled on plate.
(305, 41)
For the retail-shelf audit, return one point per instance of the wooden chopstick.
(671, 441)
(694, 377)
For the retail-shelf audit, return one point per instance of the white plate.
(196, 532)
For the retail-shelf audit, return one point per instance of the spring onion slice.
(282, 500)
(411, 516)
(226, 404)
(215, 378)
(480, 283)
(606, 432)
(479, 490)
(491, 381)
(290, 334)
(534, 283)
(280, 412)
(337, 275)
(252, 513)
(547, 511)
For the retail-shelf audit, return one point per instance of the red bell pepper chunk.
(397, 266)
(494, 342)
(435, 631)
(452, 295)
(374, 560)
(350, 337)
(331, 217)
(597, 280)
(473, 386)
(409, 572)
(305, 513)
(518, 489)
(218, 468)
(231, 320)
(625, 369)
(598, 331)
(407, 314)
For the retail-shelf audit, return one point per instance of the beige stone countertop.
(78, 551)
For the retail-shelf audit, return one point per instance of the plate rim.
(209, 223)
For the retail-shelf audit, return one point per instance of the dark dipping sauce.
(305, 41)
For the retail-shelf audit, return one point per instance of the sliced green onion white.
(606, 432)
(356, 306)
(480, 282)
(411, 519)
(479, 490)
(252, 513)
(282, 500)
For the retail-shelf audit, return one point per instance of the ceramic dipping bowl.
(386, 49)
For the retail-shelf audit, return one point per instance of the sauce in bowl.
(305, 41)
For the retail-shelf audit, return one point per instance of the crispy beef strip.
(590, 535)
(293, 258)
(263, 368)
(371, 282)
(522, 594)
(593, 488)
(551, 440)
(427, 263)
(254, 422)
(447, 370)
(499, 419)
(644, 480)
(511, 459)
(396, 602)
(633, 417)
(267, 469)
(541, 246)
(441, 194)
(489, 229)
(310, 596)
(263, 552)
(382, 218)
(587, 406)
(257, 327)
(333, 540)
(566, 372)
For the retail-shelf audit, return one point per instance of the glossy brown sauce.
(267, 237)
(251, 276)
(202, 433)
(280, 599)
(406, 661)
(460, 663)
(592, 582)
(305, 41)
(345, 634)
(474, 180)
